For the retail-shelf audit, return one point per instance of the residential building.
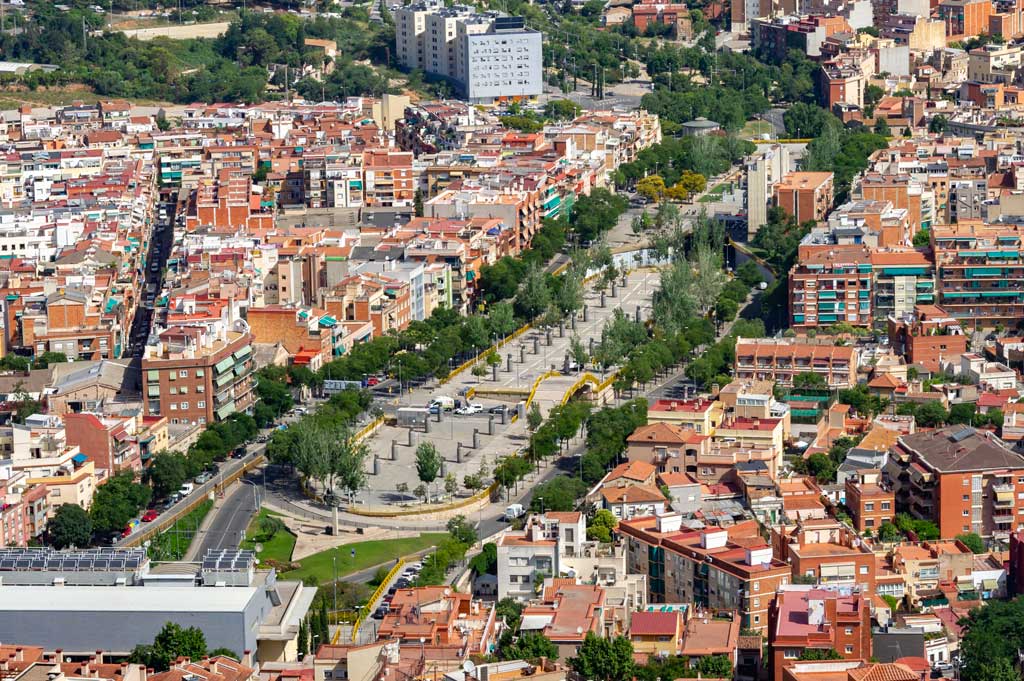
(633, 501)
(764, 170)
(929, 337)
(566, 614)
(903, 279)
(538, 550)
(965, 18)
(829, 285)
(111, 443)
(195, 374)
(960, 478)
(978, 276)
(827, 551)
(805, 195)
(699, 414)
(870, 500)
(455, 624)
(782, 359)
(721, 569)
(656, 633)
(807, 616)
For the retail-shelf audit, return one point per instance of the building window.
(966, 513)
(863, 569)
(849, 631)
(886, 506)
(849, 650)
(966, 498)
(790, 654)
(201, 404)
(174, 406)
(757, 619)
(869, 506)
(757, 586)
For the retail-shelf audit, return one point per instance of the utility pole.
(84, 39)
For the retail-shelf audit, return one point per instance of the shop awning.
(79, 459)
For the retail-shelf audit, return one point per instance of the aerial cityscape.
(582, 340)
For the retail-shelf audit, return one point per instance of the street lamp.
(255, 492)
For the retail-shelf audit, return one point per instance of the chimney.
(58, 655)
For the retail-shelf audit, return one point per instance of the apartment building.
(455, 624)
(388, 180)
(807, 617)
(567, 613)
(805, 195)
(903, 279)
(196, 374)
(962, 479)
(298, 330)
(965, 18)
(980, 272)
(781, 359)
(831, 284)
(537, 550)
(841, 83)
(775, 35)
(112, 443)
(488, 56)
(827, 551)
(870, 499)
(764, 170)
(700, 414)
(929, 337)
(715, 568)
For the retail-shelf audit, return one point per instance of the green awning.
(241, 370)
(154, 391)
(990, 584)
(153, 375)
(224, 365)
(328, 320)
(244, 352)
(226, 410)
(224, 379)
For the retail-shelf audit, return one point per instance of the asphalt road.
(227, 526)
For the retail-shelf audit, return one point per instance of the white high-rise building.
(488, 56)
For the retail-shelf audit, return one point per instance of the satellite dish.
(468, 666)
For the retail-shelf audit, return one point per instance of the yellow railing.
(467, 364)
(167, 521)
(364, 611)
(369, 428)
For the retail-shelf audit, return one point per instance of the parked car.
(469, 409)
(204, 478)
(126, 531)
(239, 452)
(372, 381)
(186, 489)
(150, 515)
(379, 613)
(498, 409)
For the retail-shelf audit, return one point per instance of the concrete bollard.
(547, 335)
(409, 433)
(458, 452)
(437, 416)
(572, 321)
(565, 364)
(376, 465)
(637, 315)
(591, 346)
(508, 362)
(476, 438)
(602, 299)
(501, 415)
(394, 450)
(536, 345)
(585, 313)
(615, 289)
(426, 429)
(522, 354)
(561, 329)
(494, 372)
(490, 424)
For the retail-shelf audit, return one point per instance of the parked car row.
(405, 580)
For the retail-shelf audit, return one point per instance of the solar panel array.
(229, 560)
(103, 559)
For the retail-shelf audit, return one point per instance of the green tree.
(417, 203)
(922, 238)
(651, 187)
(561, 109)
(815, 654)
(892, 602)
(937, 125)
(888, 532)
(601, 525)
(809, 380)
(303, 640)
(461, 530)
(822, 467)
(972, 541)
(602, 659)
(534, 295)
(70, 526)
(531, 646)
(992, 636)
(166, 473)
(715, 666)
(173, 641)
(534, 418)
(47, 358)
(881, 127)
(963, 412)
(117, 501)
(225, 652)
(485, 562)
(428, 462)
(931, 414)
(557, 494)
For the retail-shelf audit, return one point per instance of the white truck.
(443, 402)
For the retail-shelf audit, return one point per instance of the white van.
(186, 489)
(514, 511)
(444, 402)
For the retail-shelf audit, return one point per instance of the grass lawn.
(278, 547)
(173, 543)
(368, 554)
(716, 192)
(754, 129)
